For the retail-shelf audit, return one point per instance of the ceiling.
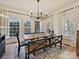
(45, 6)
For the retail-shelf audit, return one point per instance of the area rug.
(49, 54)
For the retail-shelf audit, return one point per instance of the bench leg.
(34, 53)
(61, 42)
(25, 56)
(50, 44)
(60, 45)
(55, 44)
(44, 49)
(28, 56)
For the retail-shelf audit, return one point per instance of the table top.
(34, 36)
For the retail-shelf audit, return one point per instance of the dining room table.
(45, 36)
(35, 36)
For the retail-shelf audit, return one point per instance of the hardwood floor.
(8, 53)
(69, 53)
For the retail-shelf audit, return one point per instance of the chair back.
(17, 35)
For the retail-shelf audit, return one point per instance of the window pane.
(27, 27)
(14, 27)
(37, 26)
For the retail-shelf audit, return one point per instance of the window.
(69, 24)
(37, 26)
(27, 25)
(14, 27)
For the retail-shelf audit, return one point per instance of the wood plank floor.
(69, 53)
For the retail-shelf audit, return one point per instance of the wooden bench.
(36, 45)
(57, 40)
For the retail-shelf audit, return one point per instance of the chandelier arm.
(39, 14)
(38, 9)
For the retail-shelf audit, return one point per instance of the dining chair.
(20, 44)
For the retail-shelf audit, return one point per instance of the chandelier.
(39, 14)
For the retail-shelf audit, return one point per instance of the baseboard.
(11, 40)
(68, 42)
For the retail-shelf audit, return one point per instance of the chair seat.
(24, 43)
